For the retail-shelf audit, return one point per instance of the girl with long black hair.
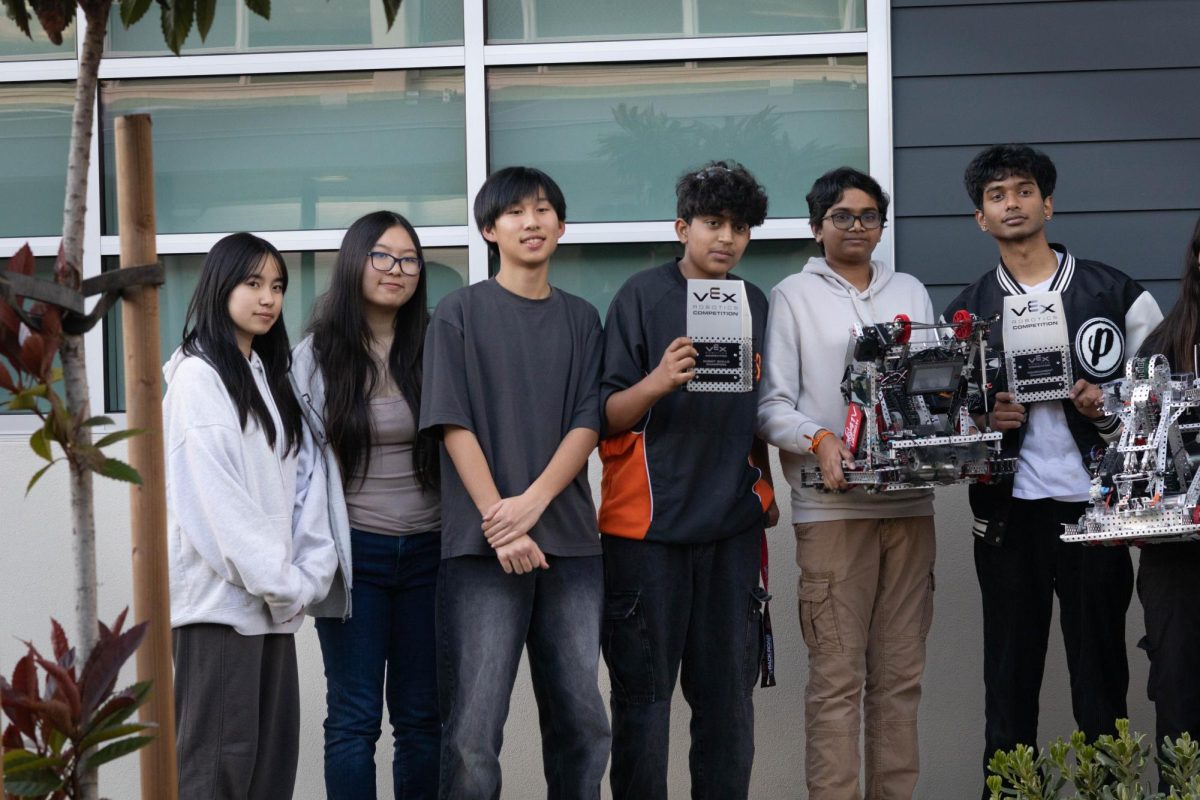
(358, 374)
(249, 541)
(1167, 573)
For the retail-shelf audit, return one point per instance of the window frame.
(474, 57)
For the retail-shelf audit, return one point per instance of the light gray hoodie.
(309, 386)
(804, 358)
(248, 540)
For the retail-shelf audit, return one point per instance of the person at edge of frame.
(249, 541)
(512, 368)
(1167, 572)
(358, 377)
(685, 496)
(866, 560)
(1020, 561)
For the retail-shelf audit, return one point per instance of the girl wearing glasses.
(358, 377)
(866, 560)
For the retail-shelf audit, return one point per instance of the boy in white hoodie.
(866, 560)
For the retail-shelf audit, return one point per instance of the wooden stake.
(143, 403)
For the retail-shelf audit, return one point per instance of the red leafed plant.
(74, 722)
(30, 350)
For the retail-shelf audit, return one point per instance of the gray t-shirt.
(519, 374)
(389, 499)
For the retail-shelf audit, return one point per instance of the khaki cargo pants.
(866, 603)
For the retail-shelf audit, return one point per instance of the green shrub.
(1111, 768)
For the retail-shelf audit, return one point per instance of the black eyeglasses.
(383, 262)
(844, 220)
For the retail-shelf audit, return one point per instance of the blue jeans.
(485, 618)
(386, 649)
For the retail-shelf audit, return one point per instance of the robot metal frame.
(1147, 485)
(909, 419)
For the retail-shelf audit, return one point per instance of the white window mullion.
(31, 71)
(475, 79)
(287, 241)
(664, 231)
(300, 61)
(879, 111)
(42, 246)
(680, 49)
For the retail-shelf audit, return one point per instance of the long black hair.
(342, 344)
(1180, 329)
(209, 333)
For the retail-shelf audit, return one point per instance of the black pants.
(237, 713)
(1018, 581)
(673, 605)
(1166, 585)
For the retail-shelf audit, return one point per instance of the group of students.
(419, 485)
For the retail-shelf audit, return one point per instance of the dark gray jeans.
(237, 713)
(484, 620)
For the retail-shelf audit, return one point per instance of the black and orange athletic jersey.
(683, 473)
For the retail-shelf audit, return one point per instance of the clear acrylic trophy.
(719, 324)
(1037, 350)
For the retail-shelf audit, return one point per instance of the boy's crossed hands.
(506, 527)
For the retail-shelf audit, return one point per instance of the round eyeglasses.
(383, 262)
(844, 220)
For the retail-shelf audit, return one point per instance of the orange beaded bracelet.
(816, 440)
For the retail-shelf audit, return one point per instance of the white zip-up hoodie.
(804, 358)
(249, 544)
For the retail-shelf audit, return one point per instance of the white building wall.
(36, 579)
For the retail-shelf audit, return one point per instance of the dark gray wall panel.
(1147, 245)
(1031, 37)
(920, 3)
(1111, 101)
(1067, 107)
(1093, 176)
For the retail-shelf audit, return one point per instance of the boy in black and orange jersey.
(685, 497)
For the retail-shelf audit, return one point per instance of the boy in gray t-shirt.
(512, 369)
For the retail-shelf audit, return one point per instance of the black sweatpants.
(237, 713)
(1166, 583)
(1018, 581)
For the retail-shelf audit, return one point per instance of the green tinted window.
(573, 20)
(35, 137)
(297, 152)
(299, 25)
(596, 271)
(616, 137)
(308, 277)
(16, 46)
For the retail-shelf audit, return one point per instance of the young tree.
(177, 17)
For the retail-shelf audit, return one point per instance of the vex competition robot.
(1147, 485)
(909, 418)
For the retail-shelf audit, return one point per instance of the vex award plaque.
(1037, 348)
(718, 322)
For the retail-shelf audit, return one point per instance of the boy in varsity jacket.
(1020, 561)
(685, 495)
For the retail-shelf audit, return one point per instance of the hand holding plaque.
(1037, 349)
(719, 324)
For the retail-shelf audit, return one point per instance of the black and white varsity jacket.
(1108, 315)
